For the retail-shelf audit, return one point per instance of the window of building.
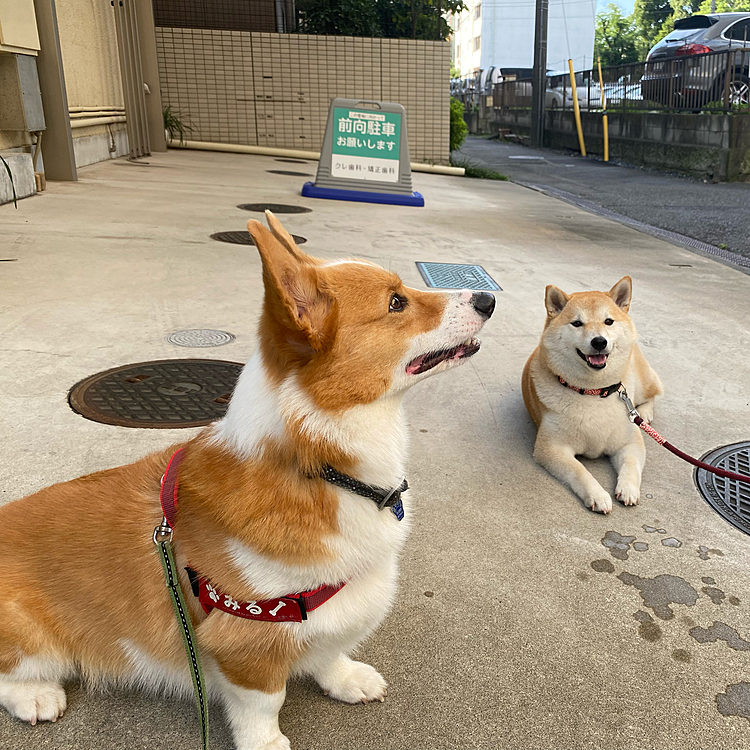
(477, 43)
(477, 12)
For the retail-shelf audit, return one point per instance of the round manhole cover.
(199, 338)
(277, 208)
(730, 499)
(291, 161)
(244, 238)
(291, 174)
(161, 394)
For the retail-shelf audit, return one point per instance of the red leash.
(637, 419)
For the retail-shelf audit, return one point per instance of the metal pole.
(576, 109)
(539, 83)
(605, 122)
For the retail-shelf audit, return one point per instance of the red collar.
(289, 608)
(601, 392)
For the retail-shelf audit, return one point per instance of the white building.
(501, 33)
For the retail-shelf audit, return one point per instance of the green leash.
(163, 541)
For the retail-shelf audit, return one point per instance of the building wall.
(275, 89)
(506, 33)
(88, 44)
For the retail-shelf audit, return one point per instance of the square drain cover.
(457, 276)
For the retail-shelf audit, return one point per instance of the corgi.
(570, 388)
(270, 501)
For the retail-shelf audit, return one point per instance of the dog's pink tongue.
(597, 359)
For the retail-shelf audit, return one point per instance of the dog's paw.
(355, 682)
(646, 410)
(33, 701)
(599, 502)
(279, 743)
(627, 494)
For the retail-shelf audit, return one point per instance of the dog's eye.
(577, 323)
(397, 303)
(608, 322)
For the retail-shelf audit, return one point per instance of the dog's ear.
(287, 240)
(554, 300)
(621, 292)
(294, 297)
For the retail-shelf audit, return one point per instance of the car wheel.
(739, 91)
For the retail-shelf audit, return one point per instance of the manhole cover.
(200, 337)
(291, 174)
(457, 276)
(166, 393)
(730, 499)
(291, 161)
(277, 208)
(244, 238)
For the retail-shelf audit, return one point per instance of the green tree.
(403, 19)
(615, 38)
(458, 127)
(338, 17)
(725, 6)
(649, 17)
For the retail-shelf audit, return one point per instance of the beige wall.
(89, 53)
(275, 89)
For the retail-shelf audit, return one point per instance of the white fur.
(32, 691)
(254, 718)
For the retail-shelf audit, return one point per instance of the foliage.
(402, 19)
(615, 39)
(725, 6)
(455, 72)
(338, 17)
(458, 128)
(472, 169)
(649, 17)
(13, 184)
(175, 124)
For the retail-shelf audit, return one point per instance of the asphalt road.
(718, 214)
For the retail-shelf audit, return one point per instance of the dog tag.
(398, 509)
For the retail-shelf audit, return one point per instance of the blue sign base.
(335, 194)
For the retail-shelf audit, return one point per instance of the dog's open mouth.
(595, 361)
(427, 361)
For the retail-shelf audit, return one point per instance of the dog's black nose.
(599, 343)
(484, 303)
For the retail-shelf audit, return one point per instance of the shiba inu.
(570, 384)
(300, 488)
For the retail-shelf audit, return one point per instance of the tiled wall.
(275, 89)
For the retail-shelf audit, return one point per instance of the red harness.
(289, 608)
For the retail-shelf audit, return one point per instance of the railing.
(716, 82)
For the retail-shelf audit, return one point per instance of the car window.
(694, 22)
(740, 30)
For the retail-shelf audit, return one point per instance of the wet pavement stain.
(660, 592)
(717, 596)
(652, 529)
(670, 541)
(648, 629)
(705, 552)
(682, 655)
(708, 580)
(640, 546)
(603, 566)
(735, 701)
(618, 545)
(734, 600)
(720, 631)
(581, 576)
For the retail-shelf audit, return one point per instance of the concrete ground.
(713, 213)
(514, 626)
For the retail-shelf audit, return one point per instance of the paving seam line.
(727, 256)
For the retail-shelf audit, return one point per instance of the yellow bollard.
(605, 121)
(576, 109)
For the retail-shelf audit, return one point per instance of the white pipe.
(236, 148)
(91, 122)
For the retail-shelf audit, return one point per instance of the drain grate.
(244, 238)
(457, 276)
(277, 208)
(200, 337)
(161, 394)
(730, 499)
(291, 174)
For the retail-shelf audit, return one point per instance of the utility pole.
(539, 83)
(713, 6)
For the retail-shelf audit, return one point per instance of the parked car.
(690, 66)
